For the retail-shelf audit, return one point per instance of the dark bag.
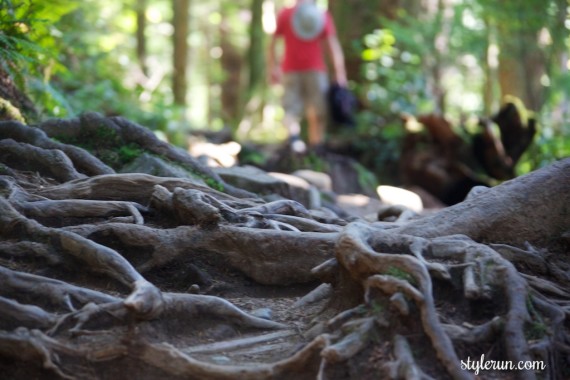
(342, 105)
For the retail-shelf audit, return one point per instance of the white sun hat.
(308, 21)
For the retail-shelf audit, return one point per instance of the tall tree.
(141, 38)
(232, 63)
(525, 33)
(357, 18)
(255, 52)
(443, 16)
(180, 22)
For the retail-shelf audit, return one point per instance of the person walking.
(309, 36)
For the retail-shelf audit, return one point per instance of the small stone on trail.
(264, 313)
(220, 359)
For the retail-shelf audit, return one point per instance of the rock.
(395, 196)
(153, 165)
(194, 289)
(350, 177)
(359, 205)
(264, 312)
(224, 155)
(321, 181)
(220, 359)
(265, 184)
(300, 190)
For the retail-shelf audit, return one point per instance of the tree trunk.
(441, 48)
(490, 64)
(141, 37)
(501, 214)
(232, 63)
(522, 61)
(354, 19)
(256, 52)
(180, 22)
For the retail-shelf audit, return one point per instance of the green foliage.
(315, 162)
(129, 152)
(536, 329)
(366, 179)
(17, 50)
(250, 156)
(8, 111)
(378, 308)
(29, 48)
(403, 65)
(72, 56)
(4, 170)
(216, 185)
(401, 274)
(380, 145)
(393, 80)
(393, 83)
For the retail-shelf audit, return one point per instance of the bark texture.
(108, 275)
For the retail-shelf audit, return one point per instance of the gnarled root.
(302, 365)
(49, 162)
(405, 367)
(33, 345)
(145, 300)
(354, 253)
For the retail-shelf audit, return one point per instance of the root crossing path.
(129, 275)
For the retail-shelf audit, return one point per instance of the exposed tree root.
(125, 132)
(48, 293)
(260, 254)
(302, 365)
(83, 162)
(477, 334)
(32, 346)
(360, 331)
(405, 277)
(49, 162)
(189, 305)
(405, 366)
(465, 279)
(134, 187)
(145, 299)
(14, 315)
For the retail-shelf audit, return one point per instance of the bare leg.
(316, 127)
(316, 87)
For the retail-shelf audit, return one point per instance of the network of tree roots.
(108, 275)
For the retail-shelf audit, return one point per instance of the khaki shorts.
(303, 90)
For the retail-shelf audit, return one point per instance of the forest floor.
(112, 275)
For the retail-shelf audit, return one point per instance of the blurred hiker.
(308, 33)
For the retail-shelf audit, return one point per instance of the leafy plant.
(29, 45)
(129, 152)
(401, 274)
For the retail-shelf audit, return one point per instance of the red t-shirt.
(302, 55)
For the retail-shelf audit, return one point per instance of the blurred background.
(181, 65)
